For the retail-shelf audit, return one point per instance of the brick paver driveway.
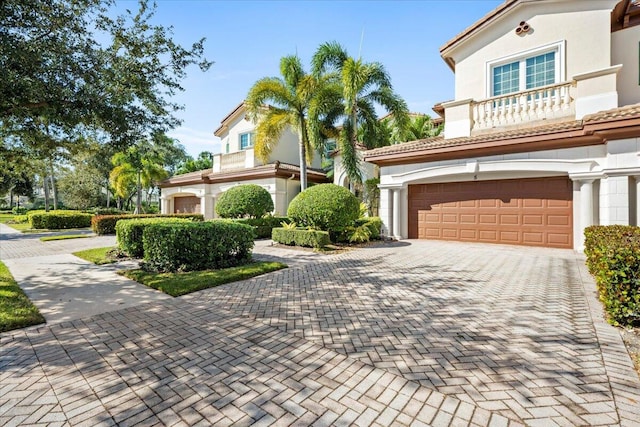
(422, 333)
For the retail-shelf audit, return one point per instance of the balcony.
(543, 103)
(584, 94)
(244, 159)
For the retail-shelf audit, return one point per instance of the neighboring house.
(237, 164)
(542, 139)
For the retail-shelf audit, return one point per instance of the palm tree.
(136, 168)
(364, 86)
(296, 100)
(420, 127)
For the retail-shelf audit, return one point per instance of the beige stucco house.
(542, 138)
(238, 164)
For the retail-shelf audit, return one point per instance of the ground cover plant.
(16, 310)
(99, 256)
(177, 284)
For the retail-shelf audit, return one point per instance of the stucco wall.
(611, 168)
(232, 136)
(583, 33)
(282, 191)
(625, 50)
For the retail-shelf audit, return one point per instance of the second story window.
(247, 140)
(525, 72)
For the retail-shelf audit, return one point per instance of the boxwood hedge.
(613, 258)
(246, 200)
(263, 226)
(196, 245)
(59, 219)
(106, 224)
(301, 237)
(129, 233)
(327, 207)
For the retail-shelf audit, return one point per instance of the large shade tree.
(296, 100)
(365, 85)
(73, 66)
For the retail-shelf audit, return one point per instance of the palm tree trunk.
(138, 194)
(303, 157)
(11, 198)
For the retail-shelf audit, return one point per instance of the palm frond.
(269, 130)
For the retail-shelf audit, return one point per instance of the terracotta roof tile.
(626, 112)
(439, 141)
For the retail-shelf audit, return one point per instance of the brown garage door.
(531, 212)
(188, 204)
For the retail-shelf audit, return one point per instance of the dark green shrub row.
(300, 237)
(59, 219)
(106, 224)
(196, 245)
(613, 258)
(264, 226)
(129, 233)
(246, 200)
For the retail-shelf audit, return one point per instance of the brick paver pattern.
(419, 333)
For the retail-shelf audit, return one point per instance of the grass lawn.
(65, 237)
(97, 256)
(176, 284)
(5, 217)
(16, 311)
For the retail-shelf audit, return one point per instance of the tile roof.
(613, 115)
(626, 112)
(439, 141)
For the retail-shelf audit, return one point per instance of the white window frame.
(521, 57)
(252, 142)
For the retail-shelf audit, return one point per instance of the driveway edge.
(623, 378)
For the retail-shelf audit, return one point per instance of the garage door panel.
(186, 204)
(537, 212)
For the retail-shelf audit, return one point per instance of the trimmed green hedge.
(245, 200)
(196, 245)
(129, 233)
(264, 226)
(300, 237)
(106, 224)
(327, 207)
(59, 219)
(613, 258)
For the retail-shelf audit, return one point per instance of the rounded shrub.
(327, 207)
(246, 200)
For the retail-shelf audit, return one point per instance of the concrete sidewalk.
(65, 287)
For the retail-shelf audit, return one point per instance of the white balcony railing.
(231, 161)
(543, 103)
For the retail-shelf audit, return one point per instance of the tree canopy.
(365, 85)
(69, 66)
(297, 100)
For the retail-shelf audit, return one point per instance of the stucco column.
(586, 209)
(586, 203)
(397, 213)
(165, 205)
(206, 206)
(637, 179)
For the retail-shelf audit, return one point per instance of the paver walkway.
(413, 333)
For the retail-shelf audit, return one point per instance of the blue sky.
(246, 39)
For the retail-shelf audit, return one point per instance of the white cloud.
(196, 141)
